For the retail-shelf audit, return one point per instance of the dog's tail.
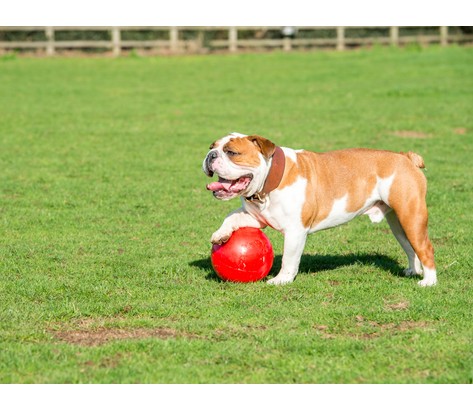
(416, 159)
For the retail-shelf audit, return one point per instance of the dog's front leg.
(235, 220)
(294, 243)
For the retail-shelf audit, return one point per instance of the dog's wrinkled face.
(241, 163)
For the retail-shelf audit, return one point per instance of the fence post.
(340, 38)
(116, 39)
(174, 39)
(232, 39)
(50, 39)
(287, 44)
(444, 36)
(200, 41)
(394, 35)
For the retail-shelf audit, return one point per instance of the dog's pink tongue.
(229, 186)
(219, 185)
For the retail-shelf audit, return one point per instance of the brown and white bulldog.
(299, 192)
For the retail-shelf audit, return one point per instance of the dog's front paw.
(220, 237)
(281, 279)
(427, 282)
(430, 278)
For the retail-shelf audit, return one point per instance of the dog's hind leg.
(413, 220)
(415, 267)
(407, 199)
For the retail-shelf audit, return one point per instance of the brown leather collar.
(274, 176)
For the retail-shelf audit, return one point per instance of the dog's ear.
(266, 147)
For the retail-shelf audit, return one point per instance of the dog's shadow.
(318, 263)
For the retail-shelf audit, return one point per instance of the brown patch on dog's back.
(327, 174)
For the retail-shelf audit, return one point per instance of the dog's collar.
(274, 177)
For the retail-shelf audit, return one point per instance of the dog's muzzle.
(211, 157)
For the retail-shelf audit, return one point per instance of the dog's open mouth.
(224, 188)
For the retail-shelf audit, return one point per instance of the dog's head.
(241, 163)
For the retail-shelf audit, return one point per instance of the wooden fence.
(173, 40)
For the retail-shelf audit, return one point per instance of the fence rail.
(173, 40)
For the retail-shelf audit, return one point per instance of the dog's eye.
(232, 153)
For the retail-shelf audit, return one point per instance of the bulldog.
(299, 192)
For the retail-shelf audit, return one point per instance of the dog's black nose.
(211, 156)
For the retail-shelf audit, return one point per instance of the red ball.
(246, 257)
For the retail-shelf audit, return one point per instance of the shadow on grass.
(319, 263)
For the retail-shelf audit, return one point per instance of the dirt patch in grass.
(96, 332)
(97, 337)
(237, 331)
(411, 134)
(460, 131)
(367, 329)
(370, 329)
(402, 305)
(109, 362)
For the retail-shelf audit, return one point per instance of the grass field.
(105, 221)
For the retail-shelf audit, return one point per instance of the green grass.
(105, 220)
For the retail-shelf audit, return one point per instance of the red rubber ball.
(246, 257)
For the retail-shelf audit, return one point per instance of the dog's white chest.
(283, 208)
